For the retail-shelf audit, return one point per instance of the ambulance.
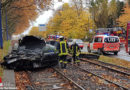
(104, 44)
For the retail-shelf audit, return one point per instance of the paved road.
(122, 54)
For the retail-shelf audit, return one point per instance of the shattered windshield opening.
(30, 42)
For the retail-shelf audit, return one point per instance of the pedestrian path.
(9, 79)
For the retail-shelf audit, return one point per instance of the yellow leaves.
(69, 23)
(35, 31)
(123, 19)
(25, 11)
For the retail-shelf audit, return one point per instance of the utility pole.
(1, 38)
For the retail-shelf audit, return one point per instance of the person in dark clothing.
(75, 50)
(63, 52)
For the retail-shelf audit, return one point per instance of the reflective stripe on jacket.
(63, 48)
(75, 49)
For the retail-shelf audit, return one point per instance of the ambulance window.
(111, 40)
(98, 39)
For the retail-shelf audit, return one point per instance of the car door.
(98, 43)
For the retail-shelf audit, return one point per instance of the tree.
(128, 2)
(35, 31)
(104, 13)
(20, 13)
(69, 23)
(124, 18)
(120, 6)
(112, 13)
(99, 11)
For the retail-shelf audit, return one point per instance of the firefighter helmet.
(61, 38)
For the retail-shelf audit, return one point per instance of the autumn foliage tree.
(35, 31)
(105, 12)
(69, 23)
(20, 13)
(124, 18)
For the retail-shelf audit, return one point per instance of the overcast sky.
(44, 17)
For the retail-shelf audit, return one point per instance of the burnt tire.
(115, 53)
(89, 50)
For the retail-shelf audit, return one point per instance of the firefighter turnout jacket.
(63, 48)
(75, 49)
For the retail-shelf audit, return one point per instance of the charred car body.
(32, 52)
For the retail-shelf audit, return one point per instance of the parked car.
(102, 44)
(78, 41)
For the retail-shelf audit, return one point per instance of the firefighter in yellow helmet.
(75, 50)
(63, 52)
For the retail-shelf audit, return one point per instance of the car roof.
(105, 36)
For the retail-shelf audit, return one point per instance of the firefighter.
(63, 52)
(75, 50)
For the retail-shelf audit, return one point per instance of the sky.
(46, 15)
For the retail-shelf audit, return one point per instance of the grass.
(115, 61)
(111, 60)
(4, 52)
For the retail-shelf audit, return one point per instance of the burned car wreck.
(32, 52)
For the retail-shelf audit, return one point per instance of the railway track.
(90, 75)
(116, 68)
(88, 80)
(115, 76)
(70, 80)
(48, 79)
(109, 81)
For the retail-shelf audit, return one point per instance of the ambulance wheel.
(129, 53)
(89, 50)
(115, 53)
(100, 52)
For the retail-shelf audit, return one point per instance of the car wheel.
(115, 53)
(89, 50)
(100, 52)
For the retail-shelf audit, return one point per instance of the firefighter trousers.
(76, 59)
(63, 61)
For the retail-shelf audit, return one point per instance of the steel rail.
(77, 85)
(104, 66)
(114, 65)
(32, 86)
(125, 88)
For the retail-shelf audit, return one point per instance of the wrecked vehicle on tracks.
(32, 52)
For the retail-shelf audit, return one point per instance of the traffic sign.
(42, 27)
